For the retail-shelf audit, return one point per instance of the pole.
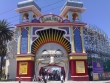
(20, 78)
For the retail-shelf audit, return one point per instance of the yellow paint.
(19, 41)
(48, 38)
(29, 40)
(72, 37)
(25, 58)
(78, 57)
(82, 38)
(23, 68)
(42, 37)
(80, 67)
(80, 76)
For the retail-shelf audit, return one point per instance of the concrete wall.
(11, 68)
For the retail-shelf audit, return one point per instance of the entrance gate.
(53, 71)
(52, 55)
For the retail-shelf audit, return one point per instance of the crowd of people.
(46, 76)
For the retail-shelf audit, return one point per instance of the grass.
(2, 79)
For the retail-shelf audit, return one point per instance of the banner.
(80, 67)
(23, 66)
(97, 67)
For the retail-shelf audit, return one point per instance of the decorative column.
(30, 16)
(20, 18)
(70, 16)
(29, 39)
(82, 38)
(19, 41)
(72, 40)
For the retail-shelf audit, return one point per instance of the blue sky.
(97, 13)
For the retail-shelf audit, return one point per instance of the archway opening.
(52, 59)
(53, 72)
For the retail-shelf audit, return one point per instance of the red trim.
(51, 42)
(50, 24)
(53, 15)
(24, 79)
(30, 69)
(74, 73)
(67, 20)
(52, 65)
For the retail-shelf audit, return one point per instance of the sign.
(50, 18)
(80, 67)
(97, 67)
(23, 66)
(95, 76)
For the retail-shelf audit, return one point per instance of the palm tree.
(5, 35)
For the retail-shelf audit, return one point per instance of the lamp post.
(20, 78)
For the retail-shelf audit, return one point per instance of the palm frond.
(5, 33)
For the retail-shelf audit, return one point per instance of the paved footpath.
(60, 82)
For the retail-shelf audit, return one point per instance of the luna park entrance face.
(53, 72)
(52, 59)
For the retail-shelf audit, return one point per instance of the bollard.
(19, 80)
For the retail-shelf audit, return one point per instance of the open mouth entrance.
(53, 72)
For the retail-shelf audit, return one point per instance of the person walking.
(48, 78)
(34, 78)
(45, 79)
(8, 76)
(41, 79)
(62, 79)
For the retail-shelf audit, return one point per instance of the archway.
(50, 35)
(51, 54)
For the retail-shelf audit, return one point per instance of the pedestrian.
(48, 78)
(41, 78)
(62, 79)
(8, 76)
(34, 78)
(5, 76)
(45, 79)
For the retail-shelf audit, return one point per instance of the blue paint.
(65, 28)
(24, 41)
(20, 18)
(30, 16)
(77, 41)
(80, 18)
(70, 16)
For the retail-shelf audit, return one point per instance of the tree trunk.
(1, 67)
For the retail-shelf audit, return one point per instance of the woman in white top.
(61, 78)
(48, 78)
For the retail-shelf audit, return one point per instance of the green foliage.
(3, 71)
(107, 66)
(5, 35)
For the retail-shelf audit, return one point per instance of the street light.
(20, 77)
